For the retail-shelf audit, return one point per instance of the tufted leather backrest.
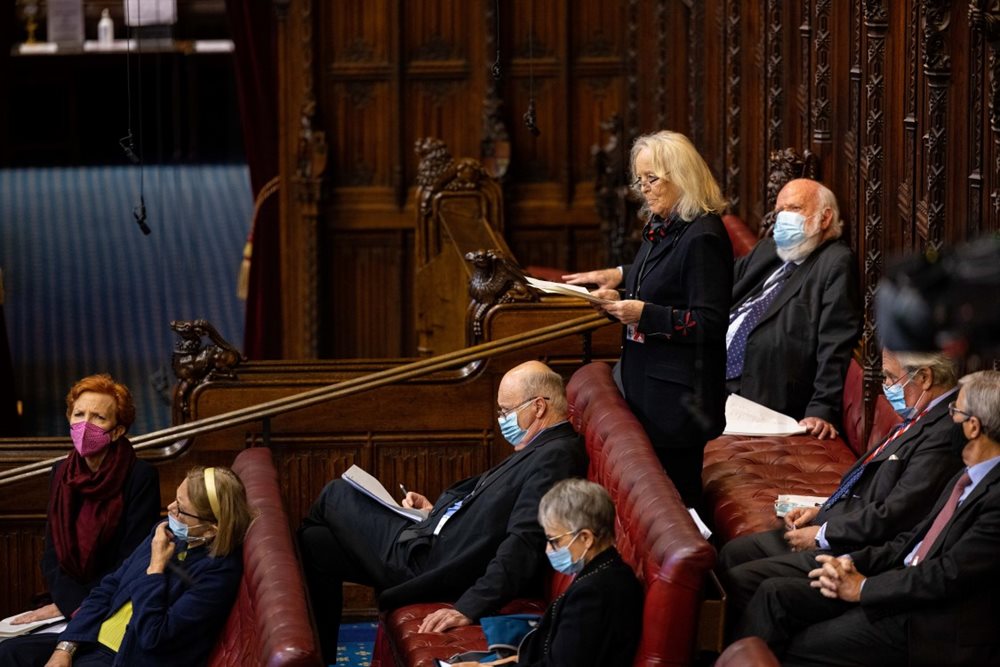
(655, 533)
(742, 238)
(269, 624)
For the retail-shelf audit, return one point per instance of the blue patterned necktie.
(754, 309)
(852, 479)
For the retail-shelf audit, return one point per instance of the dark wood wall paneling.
(897, 101)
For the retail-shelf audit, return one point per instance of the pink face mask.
(89, 439)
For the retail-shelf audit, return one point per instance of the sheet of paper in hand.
(373, 488)
(563, 289)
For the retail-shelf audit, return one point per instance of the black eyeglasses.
(177, 511)
(554, 541)
(952, 410)
(503, 412)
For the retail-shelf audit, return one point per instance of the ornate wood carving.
(987, 22)
(308, 177)
(696, 71)
(805, 71)
(906, 193)
(632, 71)
(495, 279)
(616, 203)
(977, 59)
(937, 71)
(822, 73)
(852, 137)
(195, 363)
(877, 25)
(783, 166)
(662, 38)
(774, 91)
(434, 162)
(733, 110)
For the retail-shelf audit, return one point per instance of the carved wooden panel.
(20, 553)
(899, 102)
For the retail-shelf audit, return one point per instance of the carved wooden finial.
(435, 160)
(195, 363)
(495, 279)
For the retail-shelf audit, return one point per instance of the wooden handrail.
(348, 387)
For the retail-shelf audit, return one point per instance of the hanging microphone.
(139, 212)
(129, 148)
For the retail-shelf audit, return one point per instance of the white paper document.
(8, 630)
(373, 488)
(744, 417)
(786, 502)
(562, 289)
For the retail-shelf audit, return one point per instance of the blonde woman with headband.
(169, 600)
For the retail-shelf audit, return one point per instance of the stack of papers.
(8, 630)
(744, 417)
(787, 502)
(562, 289)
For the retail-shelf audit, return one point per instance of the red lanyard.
(900, 430)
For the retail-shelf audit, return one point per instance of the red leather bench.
(269, 624)
(655, 535)
(748, 652)
(743, 476)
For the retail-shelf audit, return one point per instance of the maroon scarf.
(87, 506)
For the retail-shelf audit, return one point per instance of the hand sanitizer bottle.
(105, 29)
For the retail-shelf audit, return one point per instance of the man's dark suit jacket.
(492, 550)
(897, 487)
(597, 621)
(952, 597)
(797, 355)
(675, 380)
(894, 493)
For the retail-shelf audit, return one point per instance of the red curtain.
(253, 30)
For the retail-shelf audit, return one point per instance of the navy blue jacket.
(176, 617)
(141, 495)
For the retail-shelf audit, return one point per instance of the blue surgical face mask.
(177, 527)
(789, 229)
(562, 560)
(180, 531)
(894, 394)
(510, 429)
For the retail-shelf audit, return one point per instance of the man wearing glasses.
(480, 544)
(930, 596)
(886, 492)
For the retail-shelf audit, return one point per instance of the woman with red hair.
(103, 500)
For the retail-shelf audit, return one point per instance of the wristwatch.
(69, 647)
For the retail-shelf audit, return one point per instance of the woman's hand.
(161, 549)
(40, 614)
(604, 279)
(626, 312)
(417, 501)
(59, 659)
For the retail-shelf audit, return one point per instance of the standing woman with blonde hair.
(169, 600)
(673, 301)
